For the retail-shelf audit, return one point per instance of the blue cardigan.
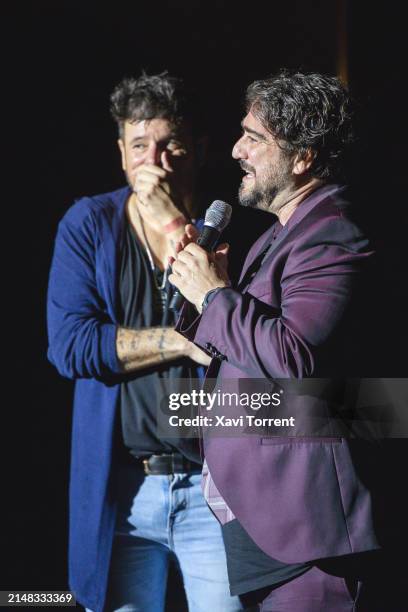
(82, 312)
(82, 321)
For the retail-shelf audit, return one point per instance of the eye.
(139, 146)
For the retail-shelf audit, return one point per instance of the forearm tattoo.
(140, 348)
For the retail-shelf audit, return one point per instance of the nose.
(237, 150)
(153, 154)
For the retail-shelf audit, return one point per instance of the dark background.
(66, 57)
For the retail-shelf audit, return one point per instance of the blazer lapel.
(252, 268)
(269, 246)
(253, 260)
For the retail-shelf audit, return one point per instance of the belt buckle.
(146, 467)
(174, 462)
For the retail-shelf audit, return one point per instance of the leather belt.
(172, 463)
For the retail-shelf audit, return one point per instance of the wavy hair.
(158, 96)
(306, 112)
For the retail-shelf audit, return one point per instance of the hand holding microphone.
(198, 269)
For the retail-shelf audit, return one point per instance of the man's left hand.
(196, 272)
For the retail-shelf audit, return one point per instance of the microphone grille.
(218, 215)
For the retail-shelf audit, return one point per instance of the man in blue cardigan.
(135, 498)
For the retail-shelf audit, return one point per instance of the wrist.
(184, 345)
(210, 295)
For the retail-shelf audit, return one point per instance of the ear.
(122, 153)
(302, 164)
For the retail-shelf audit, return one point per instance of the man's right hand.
(219, 256)
(156, 193)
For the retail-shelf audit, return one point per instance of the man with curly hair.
(297, 518)
(135, 498)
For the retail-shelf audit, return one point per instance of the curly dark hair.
(306, 112)
(149, 97)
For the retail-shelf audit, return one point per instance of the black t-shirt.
(141, 307)
(249, 568)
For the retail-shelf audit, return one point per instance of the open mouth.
(249, 174)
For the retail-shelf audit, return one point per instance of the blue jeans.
(159, 517)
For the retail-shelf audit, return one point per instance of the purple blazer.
(299, 499)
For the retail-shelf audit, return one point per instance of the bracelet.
(170, 227)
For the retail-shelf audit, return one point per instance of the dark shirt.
(142, 307)
(249, 568)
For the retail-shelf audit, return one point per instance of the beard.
(257, 197)
(263, 192)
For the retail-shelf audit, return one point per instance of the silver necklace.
(151, 260)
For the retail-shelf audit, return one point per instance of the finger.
(221, 258)
(148, 178)
(183, 242)
(179, 246)
(192, 232)
(142, 191)
(165, 161)
(196, 250)
(186, 258)
(222, 249)
(151, 169)
(151, 182)
(180, 268)
(148, 190)
(175, 280)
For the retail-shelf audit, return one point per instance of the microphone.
(217, 217)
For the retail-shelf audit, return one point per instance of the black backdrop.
(72, 55)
